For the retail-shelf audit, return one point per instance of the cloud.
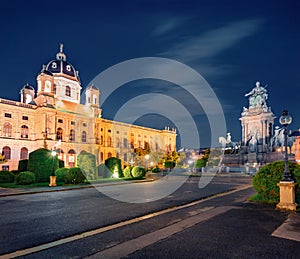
(167, 26)
(211, 43)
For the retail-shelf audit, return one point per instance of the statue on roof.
(258, 96)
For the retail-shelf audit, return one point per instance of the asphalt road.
(218, 227)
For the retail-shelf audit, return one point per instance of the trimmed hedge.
(114, 163)
(266, 179)
(40, 163)
(25, 178)
(74, 176)
(22, 166)
(127, 172)
(61, 174)
(138, 172)
(87, 163)
(6, 177)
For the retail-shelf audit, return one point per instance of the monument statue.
(278, 139)
(258, 96)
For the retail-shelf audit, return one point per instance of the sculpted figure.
(258, 96)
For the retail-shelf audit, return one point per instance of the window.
(109, 142)
(118, 143)
(101, 129)
(101, 140)
(24, 131)
(25, 118)
(139, 143)
(109, 130)
(72, 135)
(5, 168)
(6, 152)
(84, 124)
(54, 88)
(7, 115)
(101, 156)
(23, 153)
(109, 155)
(7, 129)
(68, 67)
(125, 143)
(118, 132)
(83, 136)
(68, 90)
(73, 123)
(59, 134)
(54, 65)
(60, 121)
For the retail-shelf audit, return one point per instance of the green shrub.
(25, 178)
(40, 163)
(14, 172)
(169, 164)
(61, 174)
(87, 163)
(200, 163)
(22, 167)
(155, 169)
(61, 163)
(74, 176)
(6, 177)
(113, 164)
(127, 172)
(266, 179)
(138, 172)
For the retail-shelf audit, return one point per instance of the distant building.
(52, 117)
(296, 149)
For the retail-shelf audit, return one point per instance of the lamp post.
(53, 177)
(286, 185)
(147, 159)
(285, 119)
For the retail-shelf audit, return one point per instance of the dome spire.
(60, 55)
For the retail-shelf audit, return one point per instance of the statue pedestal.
(287, 196)
(252, 158)
(52, 181)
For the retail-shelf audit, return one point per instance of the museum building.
(53, 117)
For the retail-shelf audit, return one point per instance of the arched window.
(71, 158)
(68, 90)
(83, 136)
(101, 140)
(24, 131)
(139, 143)
(7, 129)
(72, 135)
(125, 157)
(23, 153)
(101, 156)
(125, 142)
(6, 152)
(109, 155)
(59, 134)
(109, 142)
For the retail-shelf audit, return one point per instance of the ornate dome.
(61, 66)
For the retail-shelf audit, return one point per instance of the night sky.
(231, 44)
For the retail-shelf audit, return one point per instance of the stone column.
(287, 196)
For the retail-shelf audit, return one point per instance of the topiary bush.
(25, 178)
(6, 177)
(127, 172)
(266, 179)
(40, 163)
(114, 163)
(60, 174)
(155, 169)
(87, 163)
(74, 176)
(22, 167)
(138, 172)
(169, 164)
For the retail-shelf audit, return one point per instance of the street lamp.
(285, 119)
(147, 158)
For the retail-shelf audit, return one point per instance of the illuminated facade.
(54, 118)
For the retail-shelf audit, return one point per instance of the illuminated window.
(6, 152)
(24, 131)
(68, 90)
(7, 129)
(23, 153)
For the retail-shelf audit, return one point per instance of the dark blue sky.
(232, 44)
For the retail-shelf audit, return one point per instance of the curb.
(24, 192)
